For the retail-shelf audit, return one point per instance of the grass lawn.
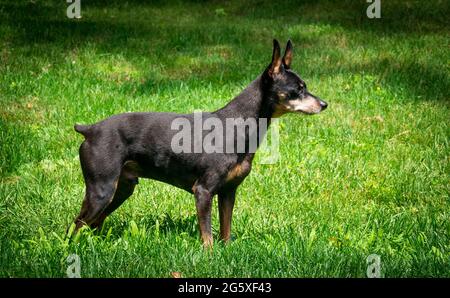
(370, 175)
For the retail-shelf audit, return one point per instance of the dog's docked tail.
(85, 130)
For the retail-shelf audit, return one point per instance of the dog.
(121, 149)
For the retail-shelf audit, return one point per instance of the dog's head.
(287, 90)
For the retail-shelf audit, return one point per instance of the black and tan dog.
(118, 150)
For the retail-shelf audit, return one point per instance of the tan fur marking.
(307, 105)
(236, 171)
(282, 95)
(116, 183)
(279, 111)
(194, 187)
(239, 171)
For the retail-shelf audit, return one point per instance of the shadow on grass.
(32, 28)
(397, 17)
(164, 224)
(43, 23)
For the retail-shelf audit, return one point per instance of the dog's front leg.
(226, 204)
(203, 202)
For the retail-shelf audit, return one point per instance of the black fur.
(119, 149)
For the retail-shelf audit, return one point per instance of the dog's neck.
(252, 102)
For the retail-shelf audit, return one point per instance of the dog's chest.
(239, 171)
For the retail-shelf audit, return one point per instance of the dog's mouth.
(307, 106)
(313, 111)
(307, 112)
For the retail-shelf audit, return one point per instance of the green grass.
(368, 176)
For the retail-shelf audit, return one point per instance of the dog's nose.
(323, 104)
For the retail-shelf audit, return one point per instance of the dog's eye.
(282, 95)
(294, 94)
(303, 91)
(302, 87)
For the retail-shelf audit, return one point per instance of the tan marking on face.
(307, 105)
(279, 111)
(282, 96)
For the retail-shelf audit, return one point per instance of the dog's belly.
(175, 175)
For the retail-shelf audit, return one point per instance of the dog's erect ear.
(287, 58)
(275, 66)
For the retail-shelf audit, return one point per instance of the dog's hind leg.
(101, 174)
(125, 188)
(98, 197)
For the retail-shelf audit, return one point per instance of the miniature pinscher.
(122, 148)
